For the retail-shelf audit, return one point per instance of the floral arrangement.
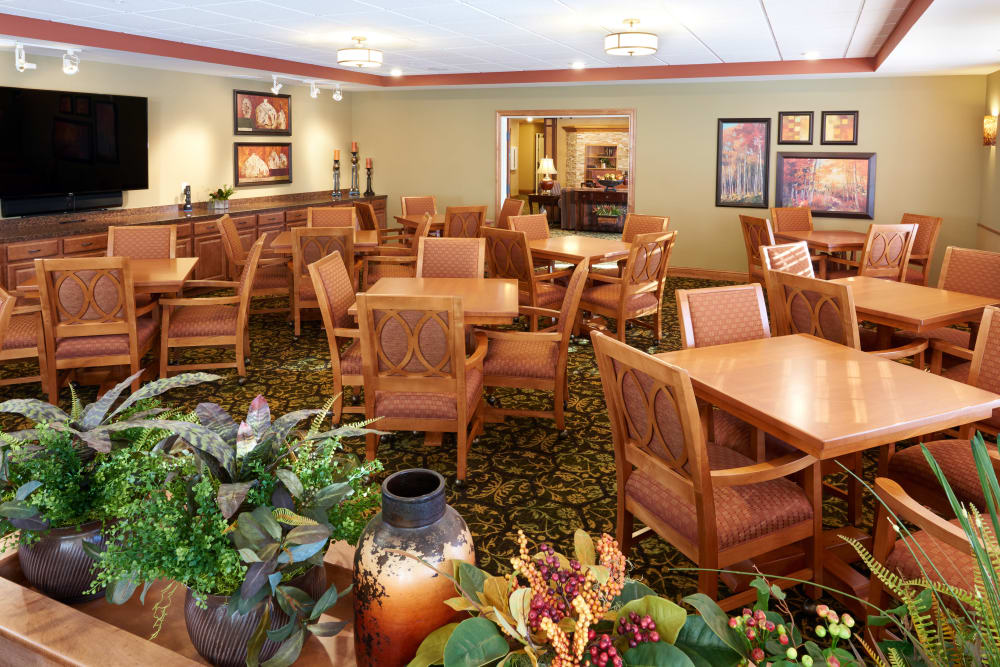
(222, 194)
(609, 211)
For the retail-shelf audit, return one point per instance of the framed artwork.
(795, 127)
(261, 113)
(836, 185)
(741, 171)
(261, 164)
(840, 128)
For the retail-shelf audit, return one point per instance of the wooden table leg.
(812, 482)
(885, 336)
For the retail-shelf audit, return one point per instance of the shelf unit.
(593, 155)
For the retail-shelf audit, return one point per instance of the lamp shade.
(631, 42)
(359, 55)
(989, 130)
(546, 166)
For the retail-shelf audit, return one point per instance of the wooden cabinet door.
(18, 273)
(211, 258)
(185, 248)
(247, 239)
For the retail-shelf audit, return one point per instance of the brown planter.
(58, 566)
(222, 638)
(398, 601)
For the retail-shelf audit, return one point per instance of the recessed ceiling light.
(529, 119)
(396, 71)
(578, 64)
(811, 55)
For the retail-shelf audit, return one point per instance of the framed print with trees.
(837, 185)
(741, 172)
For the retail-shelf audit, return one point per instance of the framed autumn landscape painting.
(741, 175)
(838, 185)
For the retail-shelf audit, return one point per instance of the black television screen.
(53, 143)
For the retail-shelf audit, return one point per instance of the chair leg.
(462, 436)
(371, 446)
(624, 527)
(164, 341)
(708, 583)
(297, 318)
(559, 399)
(854, 489)
(621, 328)
(659, 324)
(338, 405)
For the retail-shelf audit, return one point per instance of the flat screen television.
(66, 151)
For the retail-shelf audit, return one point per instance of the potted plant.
(608, 215)
(241, 521)
(219, 200)
(65, 481)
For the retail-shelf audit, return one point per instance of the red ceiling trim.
(909, 17)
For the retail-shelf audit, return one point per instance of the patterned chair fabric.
(984, 369)
(106, 345)
(511, 207)
(333, 285)
(412, 206)
(971, 271)
(508, 254)
(924, 243)
(143, 242)
(644, 269)
(636, 224)
(366, 216)
(790, 258)
(792, 219)
(910, 470)
(536, 226)
(310, 245)
(464, 221)
(720, 315)
(816, 307)
(926, 556)
(20, 333)
(756, 233)
(331, 216)
(231, 240)
(451, 257)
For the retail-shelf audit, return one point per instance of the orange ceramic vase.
(397, 600)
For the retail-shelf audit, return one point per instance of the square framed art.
(837, 185)
(742, 162)
(839, 128)
(261, 164)
(795, 127)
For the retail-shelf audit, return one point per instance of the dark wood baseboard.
(707, 274)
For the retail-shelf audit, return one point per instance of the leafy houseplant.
(219, 199)
(609, 211)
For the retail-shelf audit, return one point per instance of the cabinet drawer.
(184, 230)
(298, 215)
(245, 222)
(270, 219)
(33, 249)
(378, 204)
(207, 227)
(77, 244)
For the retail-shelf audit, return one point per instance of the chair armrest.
(201, 301)
(148, 308)
(27, 310)
(905, 507)
(911, 349)
(272, 261)
(600, 277)
(521, 335)
(838, 260)
(339, 332)
(391, 251)
(218, 284)
(537, 312)
(476, 359)
(762, 472)
(952, 349)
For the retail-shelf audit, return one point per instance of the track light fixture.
(313, 90)
(275, 86)
(71, 62)
(20, 59)
(337, 94)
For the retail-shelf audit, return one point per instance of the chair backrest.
(143, 241)
(643, 224)
(231, 241)
(756, 233)
(366, 215)
(7, 304)
(331, 216)
(887, 251)
(817, 307)
(86, 296)
(571, 302)
(510, 208)
(464, 222)
(648, 259)
(418, 205)
(720, 315)
(335, 294)
(535, 226)
(245, 289)
(792, 219)
(508, 255)
(970, 271)
(421, 231)
(315, 243)
(985, 370)
(450, 257)
(790, 258)
(928, 228)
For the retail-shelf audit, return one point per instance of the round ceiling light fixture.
(359, 55)
(631, 42)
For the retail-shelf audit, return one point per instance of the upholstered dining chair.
(639, 290)
(90, 317)
(416, 374)
(509, 256)
(212, 321)
(335, 294)
(143, 241)
(714, 505)
(272, 277)
(309, 245)
(464, 221)
(922, 253)
(331, 216)
(395, 261)
(510, 207)
(418, 205)
(886, 254)
(792, 258)
(792, 219)
(757, 233)
(366, 215)
(635, 224)
(535, 226)
(449, 257)
(21, 338)
(537, 359)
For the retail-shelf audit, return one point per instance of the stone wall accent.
(576, 143)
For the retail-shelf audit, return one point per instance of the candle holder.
(369, 192)
(355, 189)
(336, 194)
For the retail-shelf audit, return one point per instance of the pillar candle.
(368, 163)
(336, 153)
(354, 147)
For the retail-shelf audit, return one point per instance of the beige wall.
(923, 129)
(990, 215)
(526, 157)
(191, 127)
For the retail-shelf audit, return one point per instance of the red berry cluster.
(602, 652)
(559, 586)
(638, 630)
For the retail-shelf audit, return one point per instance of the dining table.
(485, 301)
(149, 276)
(576, 248)
(826, 240)
(410, 222)
(827, 400)
(363, 239)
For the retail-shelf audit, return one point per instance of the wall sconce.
(989, 130)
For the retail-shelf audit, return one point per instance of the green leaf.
(284, 424)
(246, 441)
(215, 418)
(120, 590)
(291, 482)
(17, 509)
(259, 416)
(94, 413)
(668, 617)
(717, 620)
(25, 489)
(325, 601)
(199, 437)
(632, 590)
(475, 642)
(307, 534)
(331, 495)
(328, 629)
(34, 409)
(703, 646)
(520, 606)
(288, 652)
(252, 531)
(879, 620)
(91, 550)
(284, 632)
(266, 520)
(157, 387)
(814, 652)
(299, 553)
(583, 547)
(470, 578)
(257, 639)
(763, 593)
(777, 593)
(231, 496)
(658, 654)
(431, 650)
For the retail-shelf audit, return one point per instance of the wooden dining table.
(363, 239)
(575, 248)
(410, 222)
(826, 240)
(485, 301)
(149, 276)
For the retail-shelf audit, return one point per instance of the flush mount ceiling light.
(631, 42)
(20, 59)
(396, 72)
(337, 94)
(275, 86)
(359, 55)
(71, 62)
(578, 64)
(313, 90)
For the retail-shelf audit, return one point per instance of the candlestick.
(355, 190)
(336, 194)
(369, 192)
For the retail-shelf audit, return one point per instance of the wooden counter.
(577, 205)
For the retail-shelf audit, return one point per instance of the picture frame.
(261, 164)
(256, 113)
(839, 128)
(742, 162)
(795, 127)
(835, 185)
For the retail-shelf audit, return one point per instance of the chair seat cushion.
(22, 332)
(426, 405)
(546, 294)
(960, 373)
(950, 565)
(607, 296)
(734, 433)
(378, 270)
(194, 321)
(910, 469)
(521, 358)
(743, 513)
(956, 337)
(102, 346)
(272, 277)
(350, 359)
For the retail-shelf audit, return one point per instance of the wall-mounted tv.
(63, 151)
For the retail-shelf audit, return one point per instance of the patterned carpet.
(522, 473)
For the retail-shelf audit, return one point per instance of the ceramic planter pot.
(222, 638)
(398, 601)
(58, 566)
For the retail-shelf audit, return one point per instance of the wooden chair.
(331, 216)
(90, 318)
(634, 225)
(418, 205)
(510, 208)
(215, 321)
(395, 261)
(792, 219)
(309, 245)
(536, 359)
(366, 216)
(886, 254)
(464, 222)
(450, 257)
(416, 374)
(508, 256)
(639, 290)
(22, 337)
(928, 228)
(535, 226)
(714, 505)
(272, 277)
(791, 258)
(335, 294)
(757, 233)
(143, 241)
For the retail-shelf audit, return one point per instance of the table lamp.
(546, 168)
